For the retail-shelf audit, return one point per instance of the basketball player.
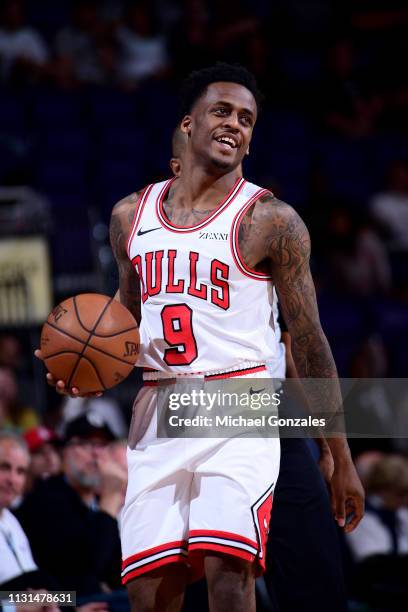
(303, 547)
(203, 505)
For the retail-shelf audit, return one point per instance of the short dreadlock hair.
(197, 82)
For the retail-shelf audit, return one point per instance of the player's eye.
(221, 111)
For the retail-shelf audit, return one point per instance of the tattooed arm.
(121, 223)
(119, 230)
(286, 243)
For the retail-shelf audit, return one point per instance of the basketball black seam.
(83, 342)
(94, 333)
(90, 336)
(83, 357)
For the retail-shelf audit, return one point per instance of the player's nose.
(232, 121)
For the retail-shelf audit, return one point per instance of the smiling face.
(14, 461)
(220, 126)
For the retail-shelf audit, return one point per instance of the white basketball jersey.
(276, 365)
(203, 309)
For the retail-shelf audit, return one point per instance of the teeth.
(226, 140)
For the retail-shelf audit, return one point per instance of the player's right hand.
(60, 386)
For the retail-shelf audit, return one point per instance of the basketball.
(90, 341)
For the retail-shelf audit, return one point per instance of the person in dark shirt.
(71, 519)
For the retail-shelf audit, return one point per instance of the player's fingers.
(62, 389)
(51, 380)
(38, 354)
(340, 512)
(356, 512)
(337, 499)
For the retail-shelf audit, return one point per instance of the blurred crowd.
(90, 103)
(88, 107)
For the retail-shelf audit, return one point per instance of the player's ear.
(185, 125)
(247, 151)
(175, 166)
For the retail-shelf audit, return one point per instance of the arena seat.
(51, 107)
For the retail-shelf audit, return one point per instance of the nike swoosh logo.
(251, 390)
(141, 232)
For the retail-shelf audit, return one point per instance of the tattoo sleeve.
(120, 226)
(288, 249)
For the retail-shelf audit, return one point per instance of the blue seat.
(121, 176)
(53, 175)
(65, 203)
(51, 107)
(345, 325)
(124, 142)
(113, 108)
(347, 166)
(64, 143)
(285, 130)
(13, 112)
(71, 249)
(392, 321)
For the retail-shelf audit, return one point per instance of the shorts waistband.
(151, 377)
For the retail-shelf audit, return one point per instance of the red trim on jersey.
(171, 286)
(220, 283)
(261, 512)
(171, 379)
(227, 535)
(241, 265)
(137, 263)
(176, 558)
(247, 371)
(158, 268)
(228, 550)
(229, 198)
(154, 551)
(198, 292)
(136, 217)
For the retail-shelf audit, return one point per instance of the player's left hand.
(59, 385)
(347, 495)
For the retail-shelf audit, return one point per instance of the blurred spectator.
(23, 53)
(365, 462)
(15, 552)
(390, 208)
(351, 104)
(17, 567)
(380, 543)
(85, 50)
(70, 519)
(105, 407)
(10, 351)
(359, 261)
(13, 414)
(237, 36)
(142, 49)
(372, 410)
(43, 444)
(189, 40)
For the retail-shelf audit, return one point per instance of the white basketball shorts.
(186, 496)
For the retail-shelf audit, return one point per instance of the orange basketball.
(90, 341)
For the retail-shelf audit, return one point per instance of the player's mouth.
(227, 141)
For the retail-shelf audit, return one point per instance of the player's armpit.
(119, 230)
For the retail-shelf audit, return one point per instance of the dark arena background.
(88, 105)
